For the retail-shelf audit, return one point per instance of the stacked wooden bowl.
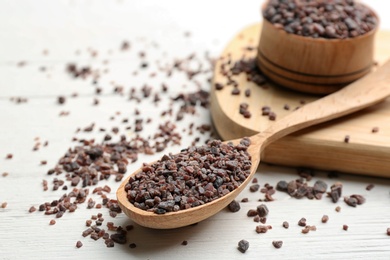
(313, 65)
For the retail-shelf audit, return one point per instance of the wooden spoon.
(365, 92)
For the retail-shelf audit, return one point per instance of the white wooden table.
(39, 38)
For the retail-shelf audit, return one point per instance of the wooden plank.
(321, 147)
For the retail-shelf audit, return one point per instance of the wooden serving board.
(321, 147)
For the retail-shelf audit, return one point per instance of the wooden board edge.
(350, 158)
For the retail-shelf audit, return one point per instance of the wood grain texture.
(321, 147)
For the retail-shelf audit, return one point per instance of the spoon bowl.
(369, 90)
(192, 215)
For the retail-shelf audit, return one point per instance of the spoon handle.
(371, 89)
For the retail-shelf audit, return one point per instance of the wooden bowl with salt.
(314, 65)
